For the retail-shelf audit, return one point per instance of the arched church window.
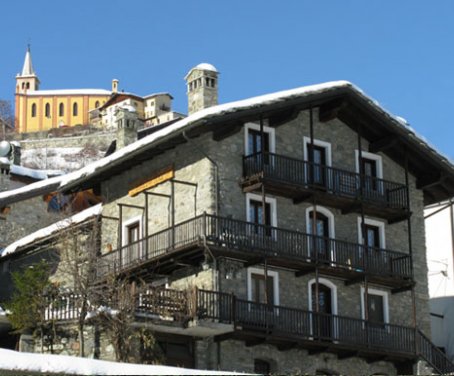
(47, 110)
(75, 109)
(96, 104)
(34, 110)
(28, 85)
(61, 109)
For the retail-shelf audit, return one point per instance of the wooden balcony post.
(195, 301)
(232, 308)
(146, 225)
(204, 225)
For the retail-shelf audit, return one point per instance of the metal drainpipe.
(216, 274)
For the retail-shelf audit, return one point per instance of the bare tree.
(79, 248)
(6, 117)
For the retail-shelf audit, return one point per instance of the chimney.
(115, 86)
(202, 87)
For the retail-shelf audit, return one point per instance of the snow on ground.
(62, 364)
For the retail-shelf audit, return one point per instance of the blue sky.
(398, 52)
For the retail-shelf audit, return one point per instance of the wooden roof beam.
(330, 110)
(384, 143)
(430, 180)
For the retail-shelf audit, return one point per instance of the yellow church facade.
(40, 110)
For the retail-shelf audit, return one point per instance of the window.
(262, 367)
(253, 139)
(61, 110)
(319, 246)
(329, 298)
(47, 110)
(323, 326)
(96, 104)
(377, 306)
(318, 156)
(254, 214)
(75, 109)
(28, 85)
(131, 234)
(34, 110)
(256, 286)
(374, 233)
(370, 166)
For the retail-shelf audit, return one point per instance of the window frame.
(256, 127)
(269, 200)
(373, 157)
(376, 223)
(384, 294)
(327, 283)
(271, 274)
(125, 227)
(324, 144)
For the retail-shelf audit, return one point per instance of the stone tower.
(27, 80)
(128, 123)
(202, 86)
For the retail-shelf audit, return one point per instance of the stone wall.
(189, 165)
(235, 356)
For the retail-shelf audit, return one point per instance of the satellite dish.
(5, 148)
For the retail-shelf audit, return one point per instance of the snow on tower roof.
(207, 66)
(52, 229)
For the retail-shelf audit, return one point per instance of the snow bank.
(49, 230)
(62, 364)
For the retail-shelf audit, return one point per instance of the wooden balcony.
(183, 245)
(301, 180)
(288, 327)
(202, 312)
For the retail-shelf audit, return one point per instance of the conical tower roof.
(27, 69)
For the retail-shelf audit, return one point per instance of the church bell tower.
(27, 80)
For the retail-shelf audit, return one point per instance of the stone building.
(282, 233)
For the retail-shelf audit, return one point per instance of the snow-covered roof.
(52, 229)
(207, 66)
(19, 363)
(278, 100)
(70, 92)
(193, 119)
(30, 190)
(34, 174)
(157, 94)
(202, 66)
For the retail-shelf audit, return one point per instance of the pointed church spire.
(28, 70)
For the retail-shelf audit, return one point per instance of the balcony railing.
(249, 239)
(337, 182)
(301, 325)
(271, 320)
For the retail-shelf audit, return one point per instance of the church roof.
(27, 69)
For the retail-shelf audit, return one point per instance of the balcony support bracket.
(352, 281)
(397, 290)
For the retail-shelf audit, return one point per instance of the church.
(40, 110)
